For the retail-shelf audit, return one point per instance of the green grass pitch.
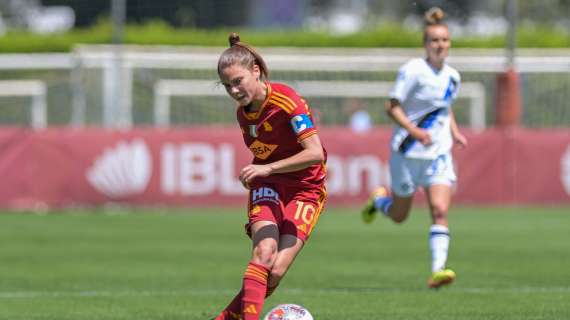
(512, 263)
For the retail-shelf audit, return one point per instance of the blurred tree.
(197, 13)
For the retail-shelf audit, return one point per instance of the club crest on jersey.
(267, 126)
(261, 150)
(301, 122)
(264, 194)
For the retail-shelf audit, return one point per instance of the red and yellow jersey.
(274, 132)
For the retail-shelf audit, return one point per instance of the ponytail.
(242, 54)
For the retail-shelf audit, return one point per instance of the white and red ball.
(288, 312)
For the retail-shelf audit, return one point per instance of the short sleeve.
(299, 113)
(405, 81)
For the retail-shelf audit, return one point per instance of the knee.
(265, 253)
(439, 211)
(399, 218)
(277, 273)
(398, 215)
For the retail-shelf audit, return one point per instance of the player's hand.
(252, 171)
(422, 136)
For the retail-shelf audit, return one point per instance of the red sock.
(254, 289)
(233, 310)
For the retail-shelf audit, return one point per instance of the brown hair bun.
(233, 39)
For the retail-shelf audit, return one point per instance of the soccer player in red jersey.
(285, 179)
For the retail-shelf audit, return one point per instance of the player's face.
(437, 43)
(241, 83)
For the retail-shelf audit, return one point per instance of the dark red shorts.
(295, 210)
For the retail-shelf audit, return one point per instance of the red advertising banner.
(59, 167)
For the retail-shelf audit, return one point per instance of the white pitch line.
(207, 292)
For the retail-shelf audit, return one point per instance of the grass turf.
(512, 263)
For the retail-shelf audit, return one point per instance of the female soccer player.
(420, 106)
(285, 179)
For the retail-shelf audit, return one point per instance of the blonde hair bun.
(434, 16)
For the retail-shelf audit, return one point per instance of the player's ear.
(256, 72)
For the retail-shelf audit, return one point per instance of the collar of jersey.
(255, 115)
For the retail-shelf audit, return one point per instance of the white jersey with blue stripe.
(426, 95)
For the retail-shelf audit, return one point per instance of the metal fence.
(132, 86)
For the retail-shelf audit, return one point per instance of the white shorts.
(407, 174)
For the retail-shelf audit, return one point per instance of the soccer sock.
(254, 290)
(233, 310)
(383, 204)
(439, 245)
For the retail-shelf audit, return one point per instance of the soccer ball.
(288, 312)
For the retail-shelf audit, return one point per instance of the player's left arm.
(311, 154)
(458, 137)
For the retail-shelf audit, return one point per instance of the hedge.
(157, 32)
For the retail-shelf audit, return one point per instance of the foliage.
(160, 33)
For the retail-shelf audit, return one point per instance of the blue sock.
(383, 203)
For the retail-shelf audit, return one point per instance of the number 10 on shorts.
(305, 211)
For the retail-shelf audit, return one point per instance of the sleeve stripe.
(286, 98)
(282, 96)
(284, 101)
(282, 106)
(306, 135)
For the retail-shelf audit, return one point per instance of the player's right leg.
(248, 303)
(264, 232)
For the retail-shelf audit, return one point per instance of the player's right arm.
(406, 80)
(396, 112)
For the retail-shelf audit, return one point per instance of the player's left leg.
(439, 199)
(289, 247)
(300, 215)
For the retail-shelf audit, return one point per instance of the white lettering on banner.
(565, 170)
(345, 176)
(198, 169)
(168, 169)
(229, 184)
(202, 169)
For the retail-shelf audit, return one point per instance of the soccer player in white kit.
(424, 133)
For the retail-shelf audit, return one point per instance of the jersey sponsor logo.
(122, 170)
(301, 122)
(264, 194)
(261, 150)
